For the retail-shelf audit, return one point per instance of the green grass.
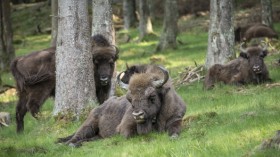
(227, 121)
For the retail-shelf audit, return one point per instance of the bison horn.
(160, 83)
(121, 84)
(242, 49)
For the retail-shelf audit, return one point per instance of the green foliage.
(226, 121)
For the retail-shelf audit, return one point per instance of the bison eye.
(152, 99)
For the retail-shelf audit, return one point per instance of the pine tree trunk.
(75, 89)
(145, 24)
(170, 27)
(221, 33)
(54, 5)
(129, 13)
(7, 52)
(102, 23)
(267, 13)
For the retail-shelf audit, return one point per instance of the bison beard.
(146, 127)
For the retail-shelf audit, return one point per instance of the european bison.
(249, 67)
(104, 58)
(151, 103)
(35, 76)
(246, 33)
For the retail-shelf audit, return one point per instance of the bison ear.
(243, 55)
(163, 91)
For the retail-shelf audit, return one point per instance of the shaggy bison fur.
(35, 76)
(151, 103)
(249, 67)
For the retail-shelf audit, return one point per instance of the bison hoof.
(174, 136)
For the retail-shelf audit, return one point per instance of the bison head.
(145, 95)
(255, 56)
(104, 63)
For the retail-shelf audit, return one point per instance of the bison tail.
(19, 78)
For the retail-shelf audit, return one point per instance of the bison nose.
(256, 68)
(104, 80)
(138, 116)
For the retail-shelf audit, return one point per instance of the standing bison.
(35, 76)
(249, 67)
(246, 33)
(151, 103)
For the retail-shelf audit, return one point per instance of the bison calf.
(249, 67)
(151, 103)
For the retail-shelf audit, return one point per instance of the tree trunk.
(75, 89)
(102, 23)
(7, 52)
(54, 5)
(152, 9)
(267, 13)
(170, 27)
(129, 13)
(221, 33)
(145, 24)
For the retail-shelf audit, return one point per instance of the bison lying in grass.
(249, 67)
(246, 33)
(35, 76)
(151, 103)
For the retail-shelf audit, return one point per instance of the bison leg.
(64, 139)
(36, 98)
(174, 129)
(20, 112)
(88, 130)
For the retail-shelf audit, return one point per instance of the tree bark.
(145, 24)
(75, 89)
(170, 27)
(102, 23)
(7, 52)
(267, 13)
(129, 14)
(221, 33)
(54, 6)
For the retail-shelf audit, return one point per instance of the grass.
(227, 121)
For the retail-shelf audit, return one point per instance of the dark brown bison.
(151, 103)
(246, 33)
(35, 76)
(104, 58)
(249, 67)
